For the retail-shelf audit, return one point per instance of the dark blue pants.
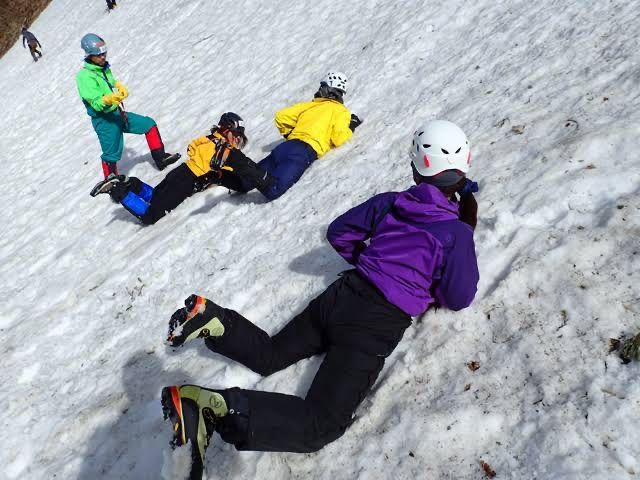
(352, 323)
(286, 163)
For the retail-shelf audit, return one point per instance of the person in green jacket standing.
(103, 98)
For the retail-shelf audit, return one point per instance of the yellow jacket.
(322, 123)
(200, 153)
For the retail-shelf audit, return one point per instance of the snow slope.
(86, 292)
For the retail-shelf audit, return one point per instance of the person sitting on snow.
(311, 129)
(103, 98)
(203, 169)
(411, 250)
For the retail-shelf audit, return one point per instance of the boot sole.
(172, 409)
(171, 160)
(194, 304)
(101, 187)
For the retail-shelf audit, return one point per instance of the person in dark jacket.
(410, 250)
(30, 39)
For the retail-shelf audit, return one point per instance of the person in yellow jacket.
(207, 157)
(311, 129)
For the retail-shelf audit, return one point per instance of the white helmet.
(440, 145)
(336, 80)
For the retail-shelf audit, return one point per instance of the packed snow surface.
(547, 92)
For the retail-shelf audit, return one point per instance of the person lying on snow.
(202, 169)
(411, 250)
(311, 129)
(103, 97)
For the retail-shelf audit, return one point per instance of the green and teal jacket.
(94, 82)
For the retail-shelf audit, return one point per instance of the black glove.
(355, 122)
(201, 183)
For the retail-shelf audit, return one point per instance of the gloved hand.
(469, 187)
(112, 99)
(122, 90)
(210, 178)
(355, 122)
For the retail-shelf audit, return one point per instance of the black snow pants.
(353, 324)
(246, 174)
(174, 189)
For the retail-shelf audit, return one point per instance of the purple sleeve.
(348, 232)
(459, 282)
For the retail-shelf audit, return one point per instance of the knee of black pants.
(324, 431)
(325, 435)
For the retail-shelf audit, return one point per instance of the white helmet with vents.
(440, 145)
(336, 80)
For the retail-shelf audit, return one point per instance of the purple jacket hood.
(424, 204)
(418, 252)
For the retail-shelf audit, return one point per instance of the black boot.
(165, 159)
(108, 184)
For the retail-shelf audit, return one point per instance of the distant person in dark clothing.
(30, 39)
(111, 4)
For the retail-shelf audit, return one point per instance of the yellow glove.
(112, 99)
(122, 90)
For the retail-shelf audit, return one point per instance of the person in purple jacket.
(410, 250)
